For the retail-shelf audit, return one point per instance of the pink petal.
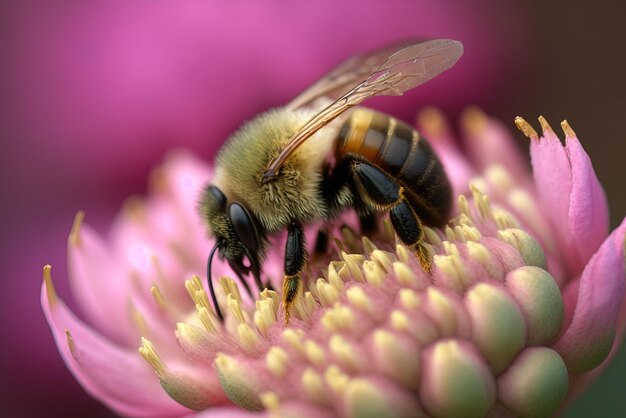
(99, 284)
(186, 175)
(153, 247)
(489, 141)
(572, 196)
(553, 178)
(116, 376)
(588, 211)
(591, 333)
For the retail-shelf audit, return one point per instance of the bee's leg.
(383, 192)
(295, 256)
(408, 226)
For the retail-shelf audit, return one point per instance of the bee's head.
(237, 232)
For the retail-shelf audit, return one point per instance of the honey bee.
(295, 165)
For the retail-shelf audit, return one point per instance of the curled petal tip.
(135, 208)
(567, 129)
(526, 128)
(74, 238)
(474, 120)
(50, 291)
(545, 126)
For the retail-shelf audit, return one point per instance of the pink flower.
(521, 311)
(95, 92)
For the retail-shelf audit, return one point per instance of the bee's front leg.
(295, 258)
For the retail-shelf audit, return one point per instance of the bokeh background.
(92, 94)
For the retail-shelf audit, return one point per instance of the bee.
(320, 155)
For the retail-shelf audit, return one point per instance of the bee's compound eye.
(242, 224)
(219, 197)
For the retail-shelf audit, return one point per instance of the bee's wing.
(345, 76)
(402, 69)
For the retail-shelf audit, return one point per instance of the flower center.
(371, 310)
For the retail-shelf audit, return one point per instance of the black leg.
(295, 256)
(381, 191)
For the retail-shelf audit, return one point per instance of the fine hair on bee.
(321, 154)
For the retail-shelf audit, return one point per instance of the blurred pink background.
(93, 94)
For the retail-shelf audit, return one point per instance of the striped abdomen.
(399, 150)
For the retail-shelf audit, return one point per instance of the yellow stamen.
(464, 206)
(368, 246)
(314, 353)
(405, 274)
(159, 299)
(350, 238)
(277, 361)
(402, 253)
(410, 299)
(248, 338)
(270, 294)
(450, 235)
(344, 352)
(207, 319)
(354, 261)
(389, 233)
(149, 354)
(481, 202)
(431, 236)
(294, 339)
(235, 308)
(313, 385)
(383, 259)
(357, 297)
(442, 311)
(335, 379)
(479, 252)
(338, 318)
(326, 293)
(399, 320)
(229, 287)
(334, 279)
(264, 315)
(305, 306)
(138, 319)
(373, 273)
(500, 178)
(504, 219)
(271, 402)
(196, 292)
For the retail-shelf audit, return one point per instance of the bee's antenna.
(218, 244)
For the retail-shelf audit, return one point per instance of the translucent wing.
(344, 77)
(402, 69)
